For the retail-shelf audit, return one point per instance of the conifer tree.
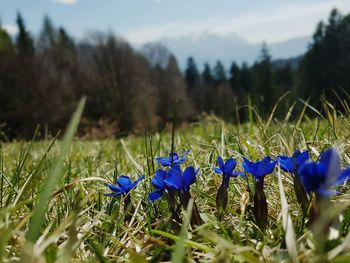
(191, 73)
(219, 73)
(24, 41)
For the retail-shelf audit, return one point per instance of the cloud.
(275, 25)
(66, 2)
(10, 29)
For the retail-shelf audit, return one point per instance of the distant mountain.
(208, 47)
(293, 62)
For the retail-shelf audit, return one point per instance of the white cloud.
(10, 29)
(66, 2)
(273, 26)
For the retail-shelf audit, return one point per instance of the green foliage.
(82, 225)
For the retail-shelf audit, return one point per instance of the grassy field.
(53, 208)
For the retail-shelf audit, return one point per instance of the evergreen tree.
(324, 68)
(245, 79)
(191, 73)
(49, 34)
(24, 42)
(219, 73)
(263, 89)
(234, 77)
(207, 75)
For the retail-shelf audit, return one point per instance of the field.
(53, 207)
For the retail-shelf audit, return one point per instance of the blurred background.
(142, 63)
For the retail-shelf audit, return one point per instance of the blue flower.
(319, 176)
(167, 161)
(158, 183)
(291, 164)
(123, 186)
(181, 181)
(226, 169)
(259, 169)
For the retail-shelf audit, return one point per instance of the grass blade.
(178, 254)
(287, 222)
(48, 187)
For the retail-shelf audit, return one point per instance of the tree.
(324, 68)
(234, 78)
(24, 41)
(191, 74)
(173, 101)
(49, 34)
(207, 75)
(219, 73)
(264, 93)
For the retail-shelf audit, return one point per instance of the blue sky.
(142, 21)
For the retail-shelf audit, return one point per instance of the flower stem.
(260, 204)
(222, 196)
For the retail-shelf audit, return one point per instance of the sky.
(143, 21)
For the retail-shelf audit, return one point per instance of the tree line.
(43, 77)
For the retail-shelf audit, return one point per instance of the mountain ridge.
(208, 48)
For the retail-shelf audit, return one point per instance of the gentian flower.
(160, 188)
(158, 183)
(181, 181)
(176, 180)
(319, 177)
(291, 164)
(259, 170)
(173, 159)
(227, 171)
(123, 186)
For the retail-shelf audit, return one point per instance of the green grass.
(53, 208)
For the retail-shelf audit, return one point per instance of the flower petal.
(344, 176)
(259, 169)
(269, 167)
(308, 176)
(286, 163)
(325, 192)
(134, 184)
(266, 159)
(221, 164)
(217, 170)
(153, 196)
(158, 180)
(247, 166)
(182, 159)
(174, 179)
(331, 160)
(296, 153)
(235, 174)
(185, 154)
(303, 157)
(230, 166)
(125, 183)
(164, 161)
(114, 188)
(189, 177)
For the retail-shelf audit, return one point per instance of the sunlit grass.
(82, 224)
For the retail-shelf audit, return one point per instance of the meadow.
(53, 207)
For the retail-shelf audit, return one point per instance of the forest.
(43, 77)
